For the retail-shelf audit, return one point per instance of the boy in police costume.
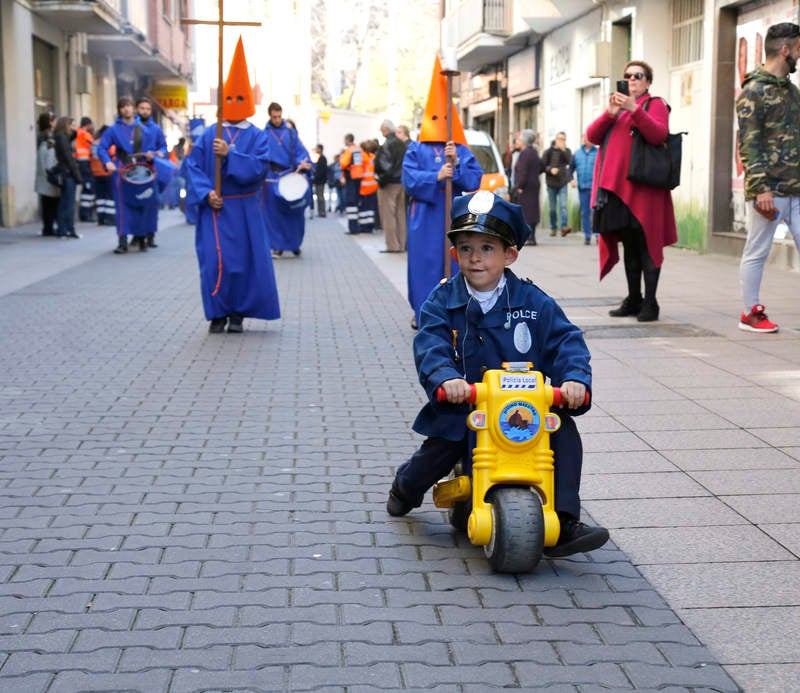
(482, 316)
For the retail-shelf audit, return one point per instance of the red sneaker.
(756, 321)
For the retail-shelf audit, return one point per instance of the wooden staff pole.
(220, 24)
(448, 182)
(220, 100)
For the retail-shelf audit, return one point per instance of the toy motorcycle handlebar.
(558, 400)
(441, 395)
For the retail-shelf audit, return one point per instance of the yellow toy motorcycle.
(505, 501)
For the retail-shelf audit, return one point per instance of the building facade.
(77, 58)
(550, 65)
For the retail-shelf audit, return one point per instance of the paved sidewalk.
(183, 512)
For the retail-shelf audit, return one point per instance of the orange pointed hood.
(434, 119)
(237, 96)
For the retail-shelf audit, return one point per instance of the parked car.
(485, 151)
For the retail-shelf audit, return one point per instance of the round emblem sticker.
(481, 202)
(519, 422)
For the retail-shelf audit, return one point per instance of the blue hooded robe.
(236, 272)
(426, 215)
(132, 221)
(286, 227)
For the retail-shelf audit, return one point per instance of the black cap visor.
(482, 223)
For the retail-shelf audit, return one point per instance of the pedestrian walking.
(285, 219)
(391, 196)
(63, 134)
(84, 138)
(352, 164)
(46, 159)
(527, 173)
(130, 143)
(237, 279)
(583, 168)
(768, 111)
(320, 179)
(557, 161)
(154, 146)
(427, 165)
(103, 189)
(368, 189)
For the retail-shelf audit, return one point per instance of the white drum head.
(292, 186)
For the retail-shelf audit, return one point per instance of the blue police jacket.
(583, 164)
(457, 340)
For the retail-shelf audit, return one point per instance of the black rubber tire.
(458, 515)
(517, 538)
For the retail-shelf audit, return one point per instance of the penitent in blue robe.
(286, 227)
(132, 221)
(238, 277)
(426, 205)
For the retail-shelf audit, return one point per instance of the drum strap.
(137, 139)
(136, 136)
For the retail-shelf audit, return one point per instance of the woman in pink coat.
(638, 215)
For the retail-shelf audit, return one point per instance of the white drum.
(292, 187)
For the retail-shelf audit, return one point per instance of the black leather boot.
(630, 306)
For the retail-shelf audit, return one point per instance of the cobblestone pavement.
(191, 512)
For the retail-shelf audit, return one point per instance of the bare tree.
(319, 49)
(363, 35)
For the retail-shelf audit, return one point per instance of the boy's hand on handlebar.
(457, 390)
(573, 394)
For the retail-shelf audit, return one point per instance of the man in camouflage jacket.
(768, 110)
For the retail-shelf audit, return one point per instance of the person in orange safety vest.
(352, 165)
(84, 137)
(368, 199)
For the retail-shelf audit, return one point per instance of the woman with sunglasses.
(639, 216)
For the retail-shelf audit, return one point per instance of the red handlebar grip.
(558, 400)
(441, 396)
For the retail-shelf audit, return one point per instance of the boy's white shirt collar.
(487, 299)
(242, 124)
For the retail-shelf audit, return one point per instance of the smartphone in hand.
(622, 87)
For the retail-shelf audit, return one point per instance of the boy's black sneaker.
(576, 537)
(397, 505)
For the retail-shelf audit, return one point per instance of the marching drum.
(292, 191)
(137, 184)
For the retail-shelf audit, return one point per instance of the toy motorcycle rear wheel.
(517, 537)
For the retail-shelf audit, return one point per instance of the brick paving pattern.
(188, 512)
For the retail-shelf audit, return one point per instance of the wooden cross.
(220, 23)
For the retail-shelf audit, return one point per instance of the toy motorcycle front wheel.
(517, 537)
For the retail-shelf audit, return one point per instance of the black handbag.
(658, 165)
(55, 176)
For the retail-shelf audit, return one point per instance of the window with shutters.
(687, 32)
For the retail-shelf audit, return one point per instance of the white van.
(485, 151)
